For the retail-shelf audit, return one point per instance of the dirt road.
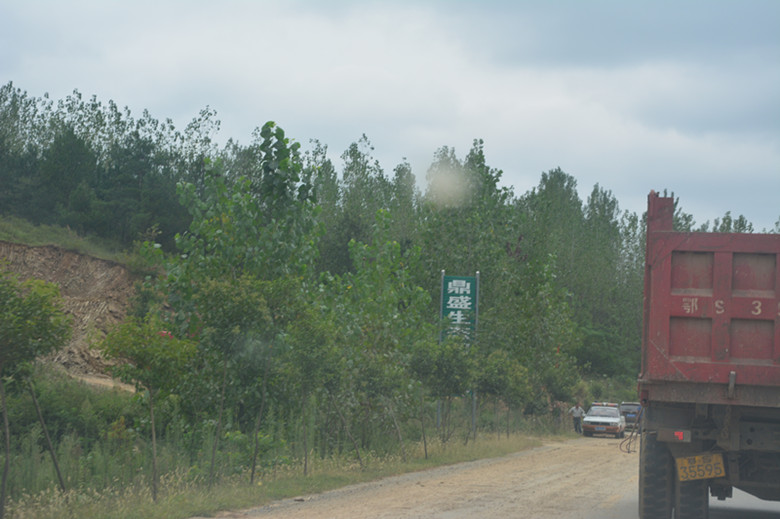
(581, 478)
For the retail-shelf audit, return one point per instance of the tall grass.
(17, 230)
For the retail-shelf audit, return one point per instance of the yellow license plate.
(705, 466)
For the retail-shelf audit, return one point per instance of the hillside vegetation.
(282, 311)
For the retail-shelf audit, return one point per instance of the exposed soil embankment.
(95, 292)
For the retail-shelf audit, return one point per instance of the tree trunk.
(7, 436)
(155, 475)
(474, 414)
(497, 404)
(472, 433)
(305, 437)
(422, 423)
(446, 427)
(398, 432)
(219, 424)
(46, 434)
(258, 423)
(346, 428)
(508, 418)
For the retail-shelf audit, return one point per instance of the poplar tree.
(32, 324)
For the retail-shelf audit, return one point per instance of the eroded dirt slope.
(95, 292)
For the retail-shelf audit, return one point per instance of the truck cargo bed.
(712, 314)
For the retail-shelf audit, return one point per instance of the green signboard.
(459, 305)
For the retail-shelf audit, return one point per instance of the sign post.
(460, 313)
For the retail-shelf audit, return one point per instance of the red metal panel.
(712, 304)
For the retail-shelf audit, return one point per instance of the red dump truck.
(710, 378)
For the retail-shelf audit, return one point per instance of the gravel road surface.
(581, 478)
(584, 478)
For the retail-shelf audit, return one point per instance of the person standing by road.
(577, 413)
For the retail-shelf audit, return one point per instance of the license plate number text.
(704, 466)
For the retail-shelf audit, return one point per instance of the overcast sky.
(630, 95)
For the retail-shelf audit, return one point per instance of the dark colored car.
(631, 412)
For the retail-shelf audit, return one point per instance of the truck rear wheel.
(692, 500)
(656, 484)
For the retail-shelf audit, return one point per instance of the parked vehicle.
(604, 418)
(631, 411)
(710, 378)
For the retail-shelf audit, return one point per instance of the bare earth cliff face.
(95, 292)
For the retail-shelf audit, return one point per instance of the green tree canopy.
(32, 323)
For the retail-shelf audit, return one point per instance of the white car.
(604, 419)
